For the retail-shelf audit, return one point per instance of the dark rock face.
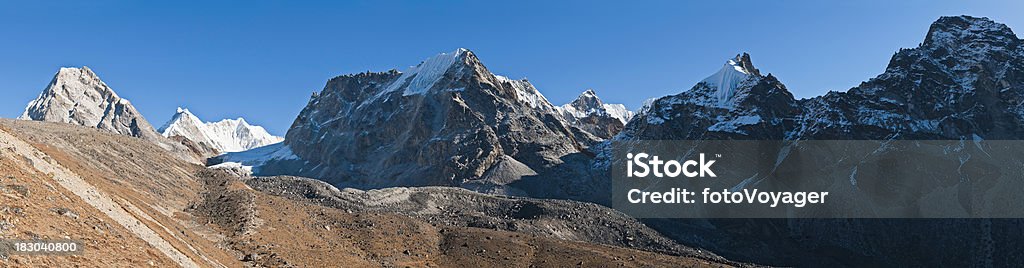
(964, 82)
(448, 122)
(743, 61)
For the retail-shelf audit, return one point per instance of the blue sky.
(262, 59)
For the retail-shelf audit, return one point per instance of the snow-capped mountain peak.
(182, 117)
(618, 111)
(434, 124)
(588, 112)
(420, 78)
(587, 103)
(228, 135)
(731, 103)
(588, 99)
(733, 73)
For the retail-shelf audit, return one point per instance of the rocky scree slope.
(36, 207)
(457, 207)
(118, 191)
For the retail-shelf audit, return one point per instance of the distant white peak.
(587, 103)
(228, 135)
(421, 78)
(587, 100)
(619, 111)
(237, 122)
(730, 76)
(181, 115)
(183, 112)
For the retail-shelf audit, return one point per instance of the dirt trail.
(91, 195)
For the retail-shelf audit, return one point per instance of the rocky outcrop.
(78, 96)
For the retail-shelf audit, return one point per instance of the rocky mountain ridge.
(964, 82)
(450, 121)
(736, 102)
(447, 121)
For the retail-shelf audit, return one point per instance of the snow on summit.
(228, 135)
(422, 77)
(587, 103)
(589, 113)
(730, 76)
